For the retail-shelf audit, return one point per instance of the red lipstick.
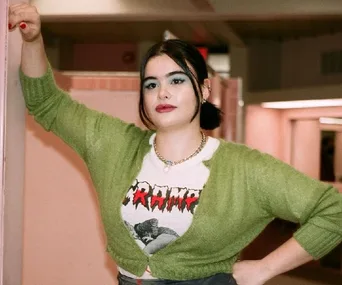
(165, 108)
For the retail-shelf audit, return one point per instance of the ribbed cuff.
(36, 89)
(317, 241)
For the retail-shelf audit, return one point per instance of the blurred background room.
(276, 72)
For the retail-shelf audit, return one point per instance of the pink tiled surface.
(113, 83)
(105, 83)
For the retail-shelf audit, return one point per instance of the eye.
(150, 86)
(177, 81)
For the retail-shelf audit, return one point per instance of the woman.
(178, 206)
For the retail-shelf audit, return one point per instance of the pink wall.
(63, 237)
(313, 112)
(291, 135)
(263, 130)
(302, 114)
(306, 142)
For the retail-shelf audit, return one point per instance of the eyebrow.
(167, 75)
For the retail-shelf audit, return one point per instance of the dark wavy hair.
(184, 54)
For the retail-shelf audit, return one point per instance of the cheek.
(148, 103)
(189, 98)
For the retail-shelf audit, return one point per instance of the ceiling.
(287, 28)
(203, 22)
(198, 32)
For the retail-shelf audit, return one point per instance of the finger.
(26, 7)
(24, 27)
(24, 12)
(28, 32)
(15, 7)
(11, 10)
(18, 4)
(23, 15)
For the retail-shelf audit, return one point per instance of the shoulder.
(115, 131)
(232, 149)
(110, 125)
(229, 153)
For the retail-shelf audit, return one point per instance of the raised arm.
(77, 125)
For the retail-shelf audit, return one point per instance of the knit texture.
(246, 190)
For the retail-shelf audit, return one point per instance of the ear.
(206, 89)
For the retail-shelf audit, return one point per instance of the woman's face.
(169, 97)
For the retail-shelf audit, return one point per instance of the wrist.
(38, 40)
(266, 270)
(33, 58)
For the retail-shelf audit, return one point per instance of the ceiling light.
(302, 104)
(330, 121)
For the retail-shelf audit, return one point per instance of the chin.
(169, 125)
(171, 122)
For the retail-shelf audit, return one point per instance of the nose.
(163, 93)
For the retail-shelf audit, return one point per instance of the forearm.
(33, 58)
(285, 258)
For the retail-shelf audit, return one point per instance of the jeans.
(217, 279)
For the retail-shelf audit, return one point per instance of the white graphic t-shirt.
(159, 205)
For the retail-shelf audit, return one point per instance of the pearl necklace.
(169, 163)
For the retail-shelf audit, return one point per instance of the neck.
(178, 144)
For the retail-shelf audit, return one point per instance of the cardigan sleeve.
(291, 195)
(77, 125)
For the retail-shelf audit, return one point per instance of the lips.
(165, 108)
